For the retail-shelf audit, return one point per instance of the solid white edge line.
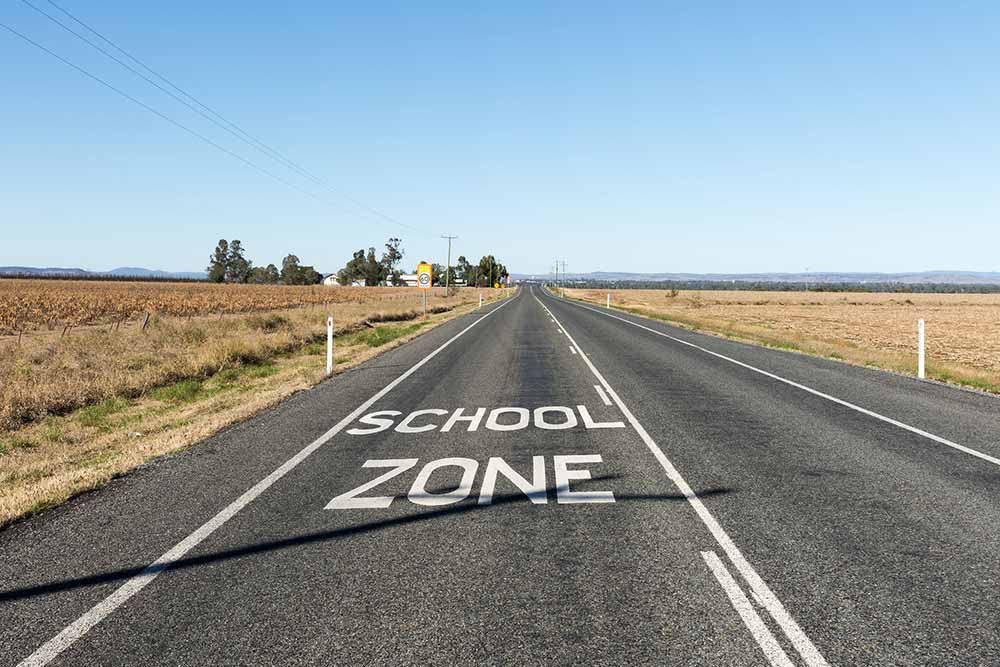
(767, 598)
(761, 633)
(53, 647)
(847, 404)
(600, 392)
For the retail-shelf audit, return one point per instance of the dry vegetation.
(32, 305)
(870, 329)
(79, 406)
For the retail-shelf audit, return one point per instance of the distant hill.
(915, 278)
(121, 272)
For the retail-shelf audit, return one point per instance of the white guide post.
(480, 299)
(921, 370)
(329, 345)
(609, 300)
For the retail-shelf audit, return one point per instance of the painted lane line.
(572, 349)
(600, 392)
(847, 404)
(767, 598)
(768, 644)
(53, 647)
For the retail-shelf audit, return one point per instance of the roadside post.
(424, 279)
(921, 370)
(480, 299)
(609, 300)
(329, 345)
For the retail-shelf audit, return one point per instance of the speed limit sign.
(424, 275)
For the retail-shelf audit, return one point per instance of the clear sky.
(660, 136)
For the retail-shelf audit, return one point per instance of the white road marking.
(418, 494)
(564, 476)
(768, 644)
(589, 423)
(53, 647)
(814, 392)
(768, 599)
(600, 392)
(572, 349)
(350, 500)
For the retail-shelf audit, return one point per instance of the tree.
(393, 255)
(264, 276)
(293, 273)
(290, 270)
(310, 276)
(466, 271)
(489, 269)
(487, 266)
(237, 266)
(374, 270)
(217, 262)
(437, 274)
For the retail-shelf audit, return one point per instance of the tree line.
(371, 269)
(228, 264)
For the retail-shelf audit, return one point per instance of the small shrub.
(393, 317)
(268, 323)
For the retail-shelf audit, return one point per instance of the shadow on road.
(464, 507)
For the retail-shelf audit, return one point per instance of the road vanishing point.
(541, 482)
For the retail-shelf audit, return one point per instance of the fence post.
(329, 345)
(920, 350)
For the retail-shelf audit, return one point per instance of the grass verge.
(838, 350)
(52, 459)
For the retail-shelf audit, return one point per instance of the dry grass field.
(34, 305)
(963, 330)
(87, 392)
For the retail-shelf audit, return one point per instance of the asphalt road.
(542, 482)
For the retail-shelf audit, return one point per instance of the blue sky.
(616, 136)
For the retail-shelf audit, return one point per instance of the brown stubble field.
(874, 329)
(46, 305)
(87, 392)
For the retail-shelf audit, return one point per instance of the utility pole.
(447, 270)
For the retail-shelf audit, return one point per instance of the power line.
(245, 136)
(153, 111)
(226, 124)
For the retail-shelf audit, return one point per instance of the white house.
(333, 282)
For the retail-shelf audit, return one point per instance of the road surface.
(541, 482)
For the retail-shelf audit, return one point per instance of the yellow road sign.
(424, 275)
